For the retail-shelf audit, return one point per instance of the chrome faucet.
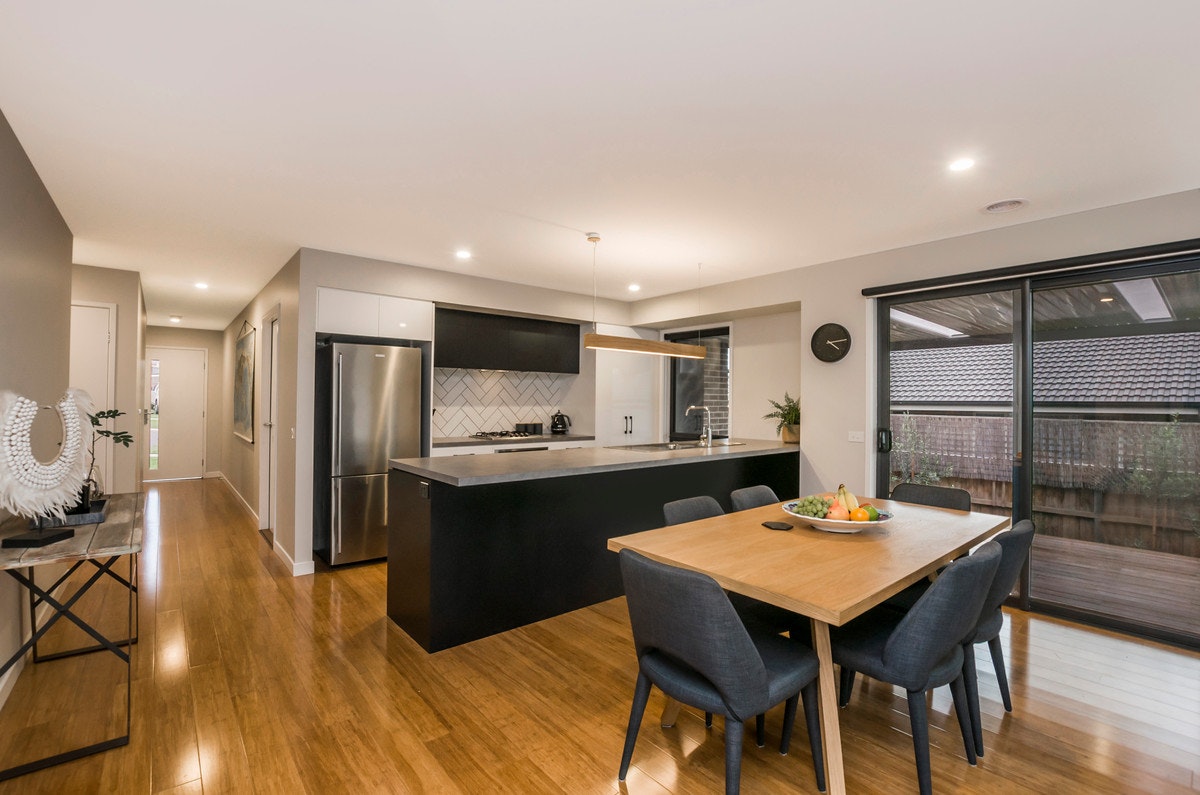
(706, 428)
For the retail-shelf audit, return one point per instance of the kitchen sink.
(658, 447)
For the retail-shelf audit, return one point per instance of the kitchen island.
(482, 544)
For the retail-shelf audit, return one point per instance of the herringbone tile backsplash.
(468, 401)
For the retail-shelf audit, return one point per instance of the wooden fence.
(1129, 484)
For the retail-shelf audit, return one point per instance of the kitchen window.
(696, 382)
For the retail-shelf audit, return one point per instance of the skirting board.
(237, 494)
(9, 681)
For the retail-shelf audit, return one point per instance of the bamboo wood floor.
(249, 680)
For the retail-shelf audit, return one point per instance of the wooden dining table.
(829, 577)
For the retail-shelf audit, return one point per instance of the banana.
(848, 500)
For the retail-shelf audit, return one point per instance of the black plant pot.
(85, 501)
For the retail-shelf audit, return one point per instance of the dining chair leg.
(812, 719)
(708, 720)
(641, 694)
(958, 690)
(845, 686)
(919, 721)
(789, 720)
(734, 731)
(760, 729)
(971, 682)
(997, 651)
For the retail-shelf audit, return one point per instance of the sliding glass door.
(1074, 401)
(1116, 463)
(949, 413)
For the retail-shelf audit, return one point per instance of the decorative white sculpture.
(27, 486)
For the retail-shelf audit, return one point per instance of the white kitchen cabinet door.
(347, 312)
(628, 398)
(405, 319)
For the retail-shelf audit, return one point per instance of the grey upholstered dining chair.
(1014, 547)
(923, 648)
(692, 645)
(690, 509)
(752, 497)
(935, 496)
(753, 612)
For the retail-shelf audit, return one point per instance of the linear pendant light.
(608, 342)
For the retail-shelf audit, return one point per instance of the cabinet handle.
(631, 423)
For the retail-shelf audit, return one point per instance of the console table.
(99, 546)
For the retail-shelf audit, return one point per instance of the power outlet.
(857, 436)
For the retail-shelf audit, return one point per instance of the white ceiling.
(210, 140)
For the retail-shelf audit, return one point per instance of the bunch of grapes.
(813, 506)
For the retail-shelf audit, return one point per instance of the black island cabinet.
(480, 544)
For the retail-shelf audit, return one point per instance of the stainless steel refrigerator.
(368, 409)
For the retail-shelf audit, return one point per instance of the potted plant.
(787, 413)
(91, 489)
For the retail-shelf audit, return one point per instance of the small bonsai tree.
(123, 438)
(787, 412)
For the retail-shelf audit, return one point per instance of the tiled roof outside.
(1159, 368)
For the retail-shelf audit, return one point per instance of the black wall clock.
(831, 342)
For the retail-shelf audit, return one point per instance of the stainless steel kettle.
(559, 423)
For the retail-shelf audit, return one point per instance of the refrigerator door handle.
(336, 518)
(336, 448)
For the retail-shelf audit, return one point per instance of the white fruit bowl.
(835, 525)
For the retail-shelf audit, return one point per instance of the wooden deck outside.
(1151, 589)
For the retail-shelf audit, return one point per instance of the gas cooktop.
(500, 435)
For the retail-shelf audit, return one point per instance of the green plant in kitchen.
(787, 413)
(123, 438)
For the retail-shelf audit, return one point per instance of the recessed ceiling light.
(1108, 299)
(633, 288)
(462, 253)
(1005, 206)
(201, 285)
(176, 319)
(962, 164)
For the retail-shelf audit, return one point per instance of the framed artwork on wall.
(243, 385)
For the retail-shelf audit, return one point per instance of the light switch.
(856, 436)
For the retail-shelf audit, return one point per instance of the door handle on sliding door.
(885, 440)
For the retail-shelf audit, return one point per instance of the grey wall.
(123, 288)
(214, 343)
(244, 463)
(35, 321)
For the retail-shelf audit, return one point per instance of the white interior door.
(93, 329)
(179, 396)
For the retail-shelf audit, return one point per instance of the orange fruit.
(860, 515)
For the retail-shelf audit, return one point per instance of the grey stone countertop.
(473, 441)
(479, 470)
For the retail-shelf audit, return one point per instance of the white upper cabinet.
(628, 395)
(404, 318)
(371, 315)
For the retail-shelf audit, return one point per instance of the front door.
(177, 396)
